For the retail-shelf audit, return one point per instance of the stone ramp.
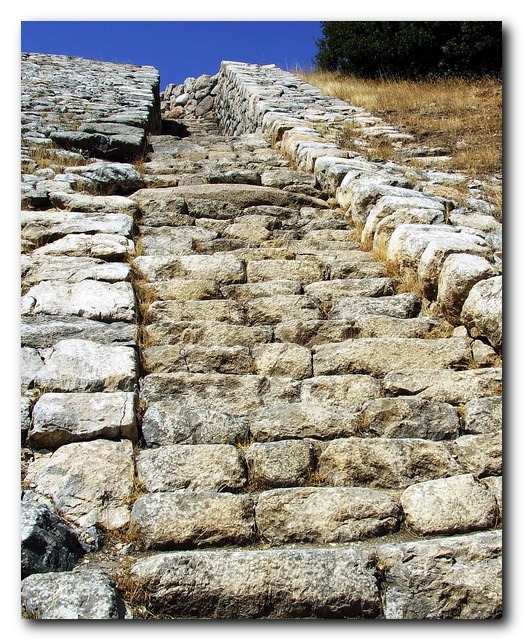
(240, 414)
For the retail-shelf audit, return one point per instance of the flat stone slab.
(37, 268)
(198, 359)
(483, 415)
(402, 305)
(45, 331)
(482, 311)
(385, 462)
(93, 299)
(350, 391)
(407, 417)
(204, 332)
(105, 246)
(341, 288)
(325, 514)
(93, 204)
(453, 578)
(168, 422)
(378, 356)
(270, 583)
(445, 385)
(187, 519)
(320, 421)
(227, 393)
(47, 226)
(448, 506)
(90, 483)
(212, 467)
(83, 365)
(480, 454)
(305, 271)
(225, 268)
(227, 311)
(61, 418)
(275, 309)
(287, 463)
(238, 196)
(72, 595)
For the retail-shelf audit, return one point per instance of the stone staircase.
(233, 410)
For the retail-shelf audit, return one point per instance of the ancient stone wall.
(233, 406)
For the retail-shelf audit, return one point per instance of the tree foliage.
(411, 49)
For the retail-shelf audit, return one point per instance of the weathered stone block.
(287, 463)
(193, 518)
(459, 504)
(323, 515)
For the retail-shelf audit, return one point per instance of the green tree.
(411, 49)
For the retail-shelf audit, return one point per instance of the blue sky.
(178, 49)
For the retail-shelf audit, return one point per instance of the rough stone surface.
(215, 354)
(88, 482)
(458, 504)
(323, 515)
(261, 584)
(48, 542)
(72, 595)
(187, 519)
(482, 311)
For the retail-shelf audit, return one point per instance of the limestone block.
(275, 309)
(480, 454)
(378, 356)
(482, 311)
(213, 467)
(407, 417)
(302, 420)
(482, 222)
(71, 269)
(168, 422)
(90, 483)
(165, 240)
(401, 305)
(179, 289)
(459, 273)
(234, 394)
(383, 228)
(433, 257)
(31, 362)
(347, 287)
(345, 391)
(323, 514)
(269, 583)
(43, 331)
(101, 245)
(193, 518)
(444, 385)
(305, 271)
(454, 578)
(283, 359)
(385, 462)
(198, 359)
(408, 242)
(92, 204)
(93, 299)
(61, 418)
(48, 542)
(311, 332)
(118, 177)
(87, 594)
(243, 292)
(390, 205)
(205, 333)
(227, 311)
(39, 226)
(482, 415)
(459, 504)
(82, 365)
(287, 463)
(387, 326)
(495, 485)
(248, 231)
(222, 267)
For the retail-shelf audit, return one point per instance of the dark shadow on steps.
(174, 128)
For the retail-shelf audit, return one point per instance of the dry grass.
(461, 114)
(48, 156)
